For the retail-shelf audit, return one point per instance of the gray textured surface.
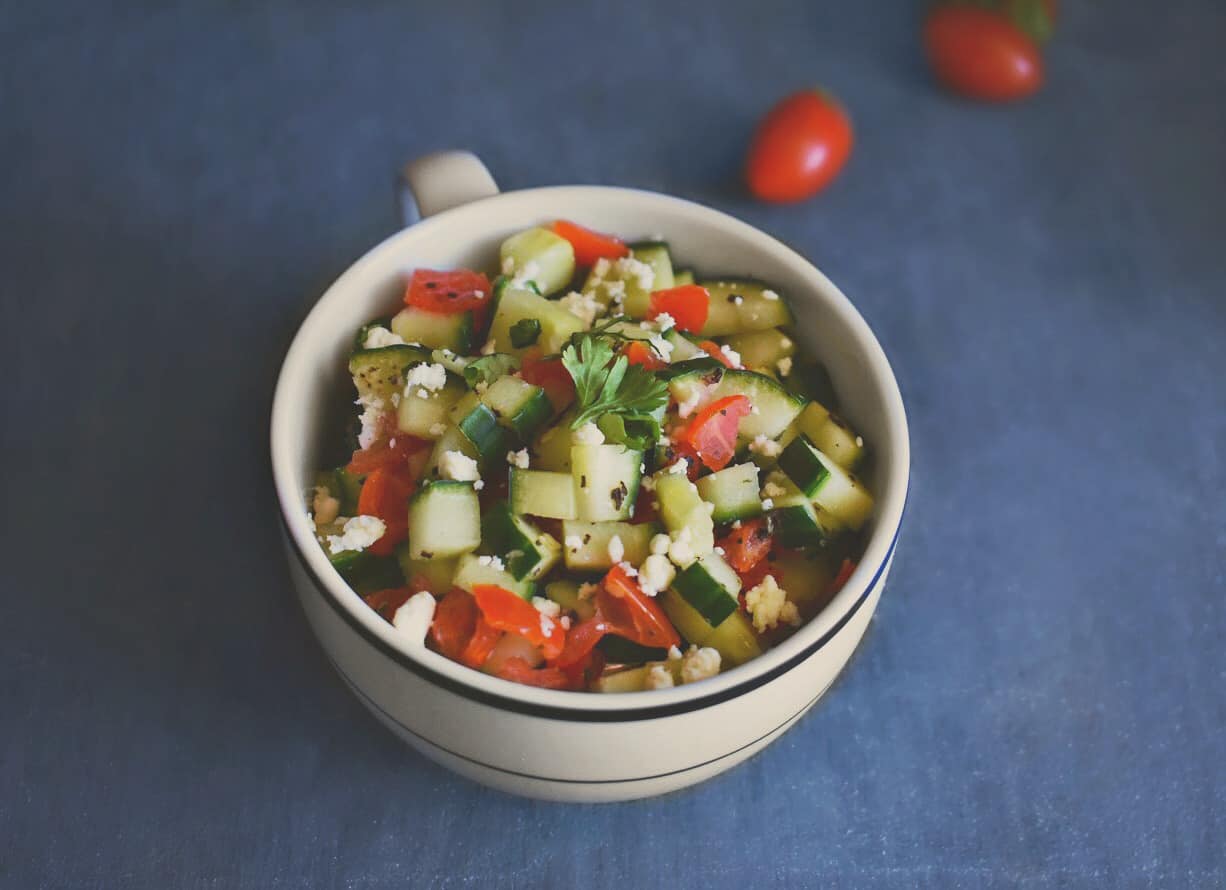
(1040, 701)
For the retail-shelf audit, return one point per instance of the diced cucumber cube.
(606, 479)
(711, 586)
(557, 323)
(520, 406)
(540, 256)
(739, 306)
(543, 493)
(435, 329)
(682, 507)
(444, 520)
(525, 550)
(585, 545)
(472, 570)
(734, 492)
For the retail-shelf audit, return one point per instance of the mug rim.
(286, 418)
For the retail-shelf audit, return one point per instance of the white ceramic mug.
(547, 743)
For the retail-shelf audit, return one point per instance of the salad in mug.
(591, 471)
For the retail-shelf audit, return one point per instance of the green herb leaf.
(525, 332)
(489, 368)
(613, 393)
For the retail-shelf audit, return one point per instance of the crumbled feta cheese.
(773, 489)
(437, 429)
(518, 458)
(681, 551)
(686, 408)
(459, 466)
(357, 533)
(492, 562)
(546, 624)
(754, 409)
(588, 434)
(583, 306)
(785, 342)
(631, 571)
(737, 524)
(478, 485)
(617, 550)
(663, 348)
(490, 347)
(565, 622)
(413, 618)
(768, 504)
(699, 664)
(396, 397)
(628, 267)
(658, 677)
(674, 654)
(770, 295)
(372, 416)
(679, 467)
(659, 544)
(430, 377)
(860, 441)
(648, 483)
(731, 354)
(508, 265)
(326, 507)
(378, 337)
(601, 269)
(529, 273)
(587, 590)
(768, 604)
(616, 290)
(709, 507)
(664, 321)
(719, 551)
(546, 606)
(765, 446)
(784, 365)
(656, 573)
(573, 543)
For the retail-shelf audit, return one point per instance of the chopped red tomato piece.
(688, 305)
(386, 602)
(712, 433)
(504, 610)
(517, 670)
(479, 646)
(455, 620)
(632, 613)
(447, 293)
(840, 579)
(711, 348)
(590, 246)
(639, 353)
(581, 640)
(385, 494)
(398, 451)
(748, 545)
(551, 375)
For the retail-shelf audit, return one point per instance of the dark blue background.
(1040, 700)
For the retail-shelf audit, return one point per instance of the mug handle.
(440, 181)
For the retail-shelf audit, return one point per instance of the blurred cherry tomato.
(800, 146)
(981, 54)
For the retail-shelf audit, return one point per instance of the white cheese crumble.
(584, 307)
(785, 342)
(326, 507)
(459, 466)
(663, 321)
(546, 606)
(528, 273)
(699, 664)
(437, 429)
(859, 441)
(492, 562)
(658, 677)
(674, 654)
(588, 434)
(573, 543)
(601, 269)
(656, 573)
(720, 551)
(508, 265)
(769, 606)
(785, 366)
(648, 483)
(378, 337)
(518, 458)
(587, 590)
(490, 347)
(663, 347)
(686, 408)
(659, 544)
(681, 548)
(414, 617)
(546, 624)
(773, 490)
(617, 550)
(628, 267)
(372, 413)
(737, 299)
(431, 377)
(770, 295)
(765, 446)
(679, 467)
(357, 533)
(478, 485)
(731, 354)
(768, 504)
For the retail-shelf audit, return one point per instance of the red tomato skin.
(688, 304)
(799, 147)
(748, 545)
(590, 245)
(385, 494)
(711, 348)
(981, 54)
(712, 432)
(455, 620)
(458, 290)
(639, 353)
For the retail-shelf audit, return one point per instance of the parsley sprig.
(612, 393)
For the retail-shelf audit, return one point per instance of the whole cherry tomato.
(800, 146)
(981, 54)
